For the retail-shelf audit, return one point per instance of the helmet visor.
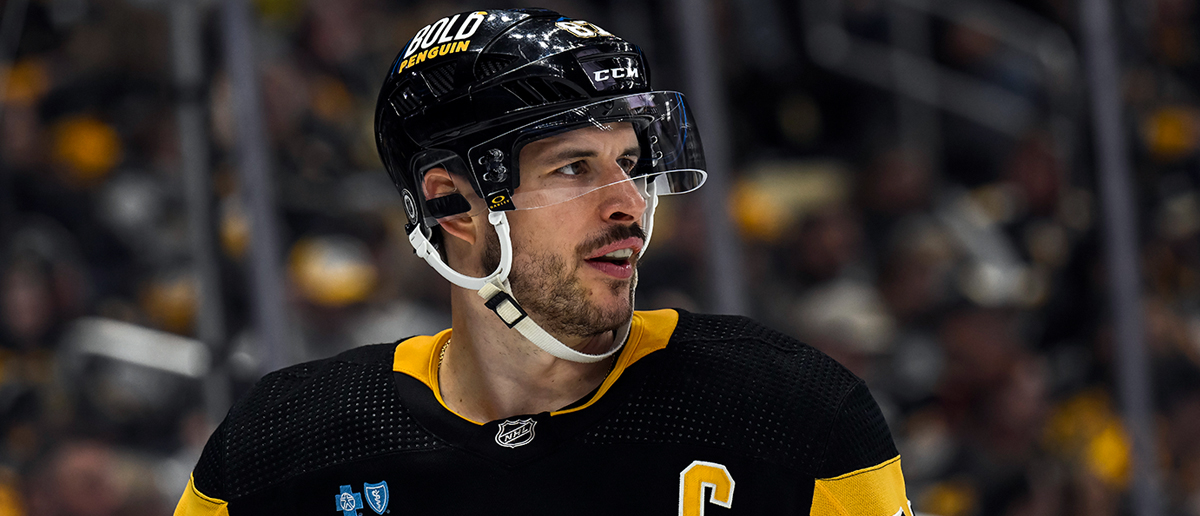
(647, 186)
(645, 141)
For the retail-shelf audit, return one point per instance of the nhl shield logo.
(377, 496)
(515, 433)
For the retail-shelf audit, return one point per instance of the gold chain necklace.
(612, 363)
(442, 354)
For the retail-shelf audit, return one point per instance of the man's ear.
(437, 183)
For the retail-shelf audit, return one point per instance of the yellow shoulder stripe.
(648, 332)
(195, 503)
(874, 491)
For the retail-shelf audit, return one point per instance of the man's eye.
(627, 164)
(574, 169)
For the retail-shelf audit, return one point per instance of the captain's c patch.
(699, 475)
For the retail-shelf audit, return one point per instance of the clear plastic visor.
(647, 186)
(643, 143)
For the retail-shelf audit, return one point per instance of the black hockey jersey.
(700, 415)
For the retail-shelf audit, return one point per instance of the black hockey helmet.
(470, 89)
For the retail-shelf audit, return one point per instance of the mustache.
(612, 234)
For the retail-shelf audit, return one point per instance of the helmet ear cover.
(446, 205)
(418, 207)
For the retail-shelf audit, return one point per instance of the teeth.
(620, 253)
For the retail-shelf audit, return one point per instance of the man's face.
(574, 261)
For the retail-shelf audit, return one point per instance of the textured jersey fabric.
(701, 415)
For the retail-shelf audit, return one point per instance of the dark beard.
(554, 296)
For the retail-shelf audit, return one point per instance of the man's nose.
(623, 201)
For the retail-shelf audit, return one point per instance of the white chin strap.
(426, 250)
(502, 302)
(497, 293)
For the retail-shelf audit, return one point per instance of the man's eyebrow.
(571, 154)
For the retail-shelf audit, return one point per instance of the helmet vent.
(404, 101)
(566, 92)
(440, 79)
(536, 91)
(490, 64)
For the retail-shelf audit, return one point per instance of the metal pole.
(254, 172)
(10, 38)
(1121, 244)
(193, 150)
(919, 123)
(703, 77)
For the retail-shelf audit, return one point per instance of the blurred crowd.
(960, 274)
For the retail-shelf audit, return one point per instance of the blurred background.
(911, 187)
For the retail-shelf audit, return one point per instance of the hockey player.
(530, 150)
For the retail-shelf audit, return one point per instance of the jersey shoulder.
(732, 382)
(307, 417)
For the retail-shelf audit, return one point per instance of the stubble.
(552, 292)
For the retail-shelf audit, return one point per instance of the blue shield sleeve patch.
(377, 496)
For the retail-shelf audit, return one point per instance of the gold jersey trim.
(648, 332)
(874, 491)
(418, 358)
(195, 503)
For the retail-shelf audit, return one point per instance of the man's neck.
(490, 372)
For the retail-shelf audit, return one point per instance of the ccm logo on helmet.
(615, 73)
(444, 31)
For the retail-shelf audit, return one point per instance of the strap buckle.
(494, 303)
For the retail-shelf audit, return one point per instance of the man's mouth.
(617, 258)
